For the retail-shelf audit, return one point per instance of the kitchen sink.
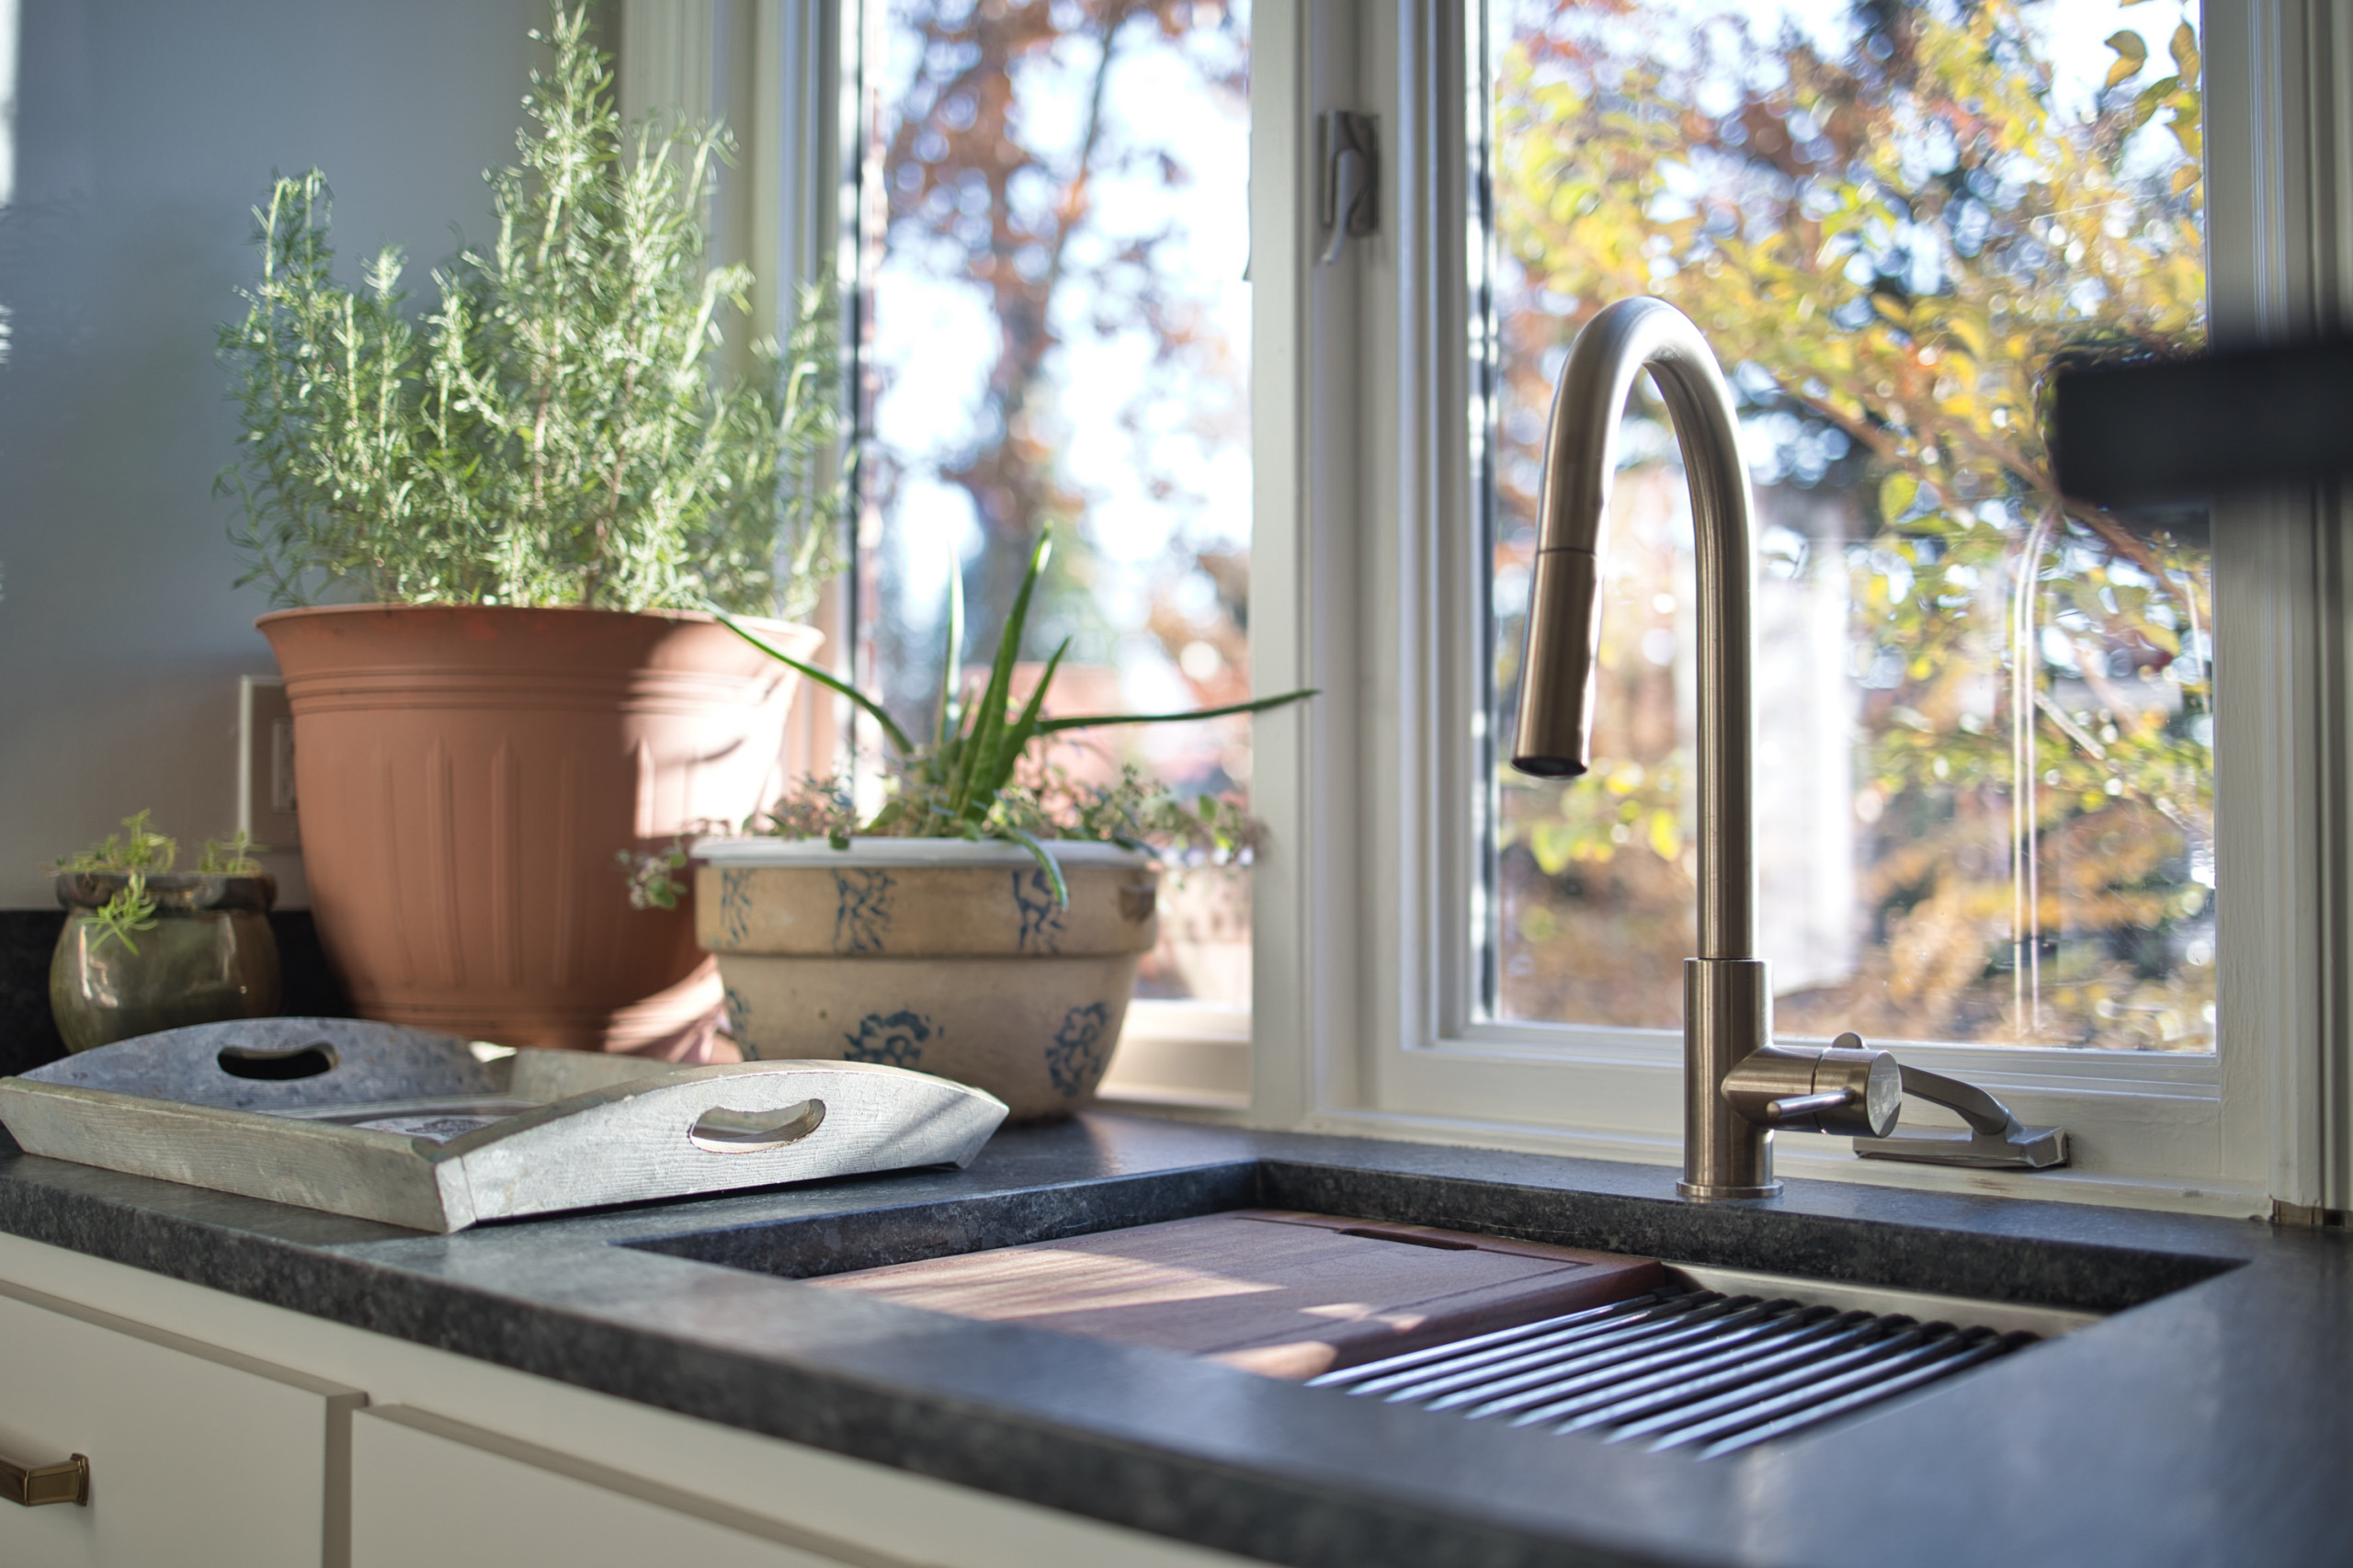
(1821, 1253)
(1763, 1322)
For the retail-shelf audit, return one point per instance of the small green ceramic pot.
(209, 956)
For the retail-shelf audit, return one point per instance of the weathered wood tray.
(425, 1130)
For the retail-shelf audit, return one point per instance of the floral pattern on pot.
(863, 913)
(1082, 1049)
(895, 1041)
(735, 905)
(1040, 913)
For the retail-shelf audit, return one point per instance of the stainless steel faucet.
(1739, 1086)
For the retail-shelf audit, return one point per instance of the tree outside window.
(1985, 712)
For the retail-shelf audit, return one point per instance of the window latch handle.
(1993, 1139)
(1349, 205)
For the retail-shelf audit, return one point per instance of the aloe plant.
(955, 784)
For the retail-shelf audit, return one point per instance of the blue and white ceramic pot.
(940, 955)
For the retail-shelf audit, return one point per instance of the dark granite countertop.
(2211, 1423)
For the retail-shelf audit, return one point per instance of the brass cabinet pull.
(67, 1483)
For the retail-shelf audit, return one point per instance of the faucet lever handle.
(1801, 1108)
(1809, 1089)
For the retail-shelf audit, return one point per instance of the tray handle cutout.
(279, 1066)
(722, 1131)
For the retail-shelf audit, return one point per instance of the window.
(1052, 245)
(1985, 750)
(1398, 898)
(1385, 912)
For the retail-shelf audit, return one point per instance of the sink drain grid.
(1695, 1371)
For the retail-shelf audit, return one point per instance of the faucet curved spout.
(1554, 739)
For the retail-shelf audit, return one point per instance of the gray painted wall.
(144, 131)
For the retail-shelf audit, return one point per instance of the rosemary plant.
(139, 848)
(139, 852)
(557, 431)
(961, 782)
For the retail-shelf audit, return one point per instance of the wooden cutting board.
(1285, 1294)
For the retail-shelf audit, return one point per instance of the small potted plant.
(146, 949)
(498, 531)
(985, 924)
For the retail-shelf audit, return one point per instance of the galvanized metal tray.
(432, 1132)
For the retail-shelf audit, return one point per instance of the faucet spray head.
(1623, 342)
(1556, 684)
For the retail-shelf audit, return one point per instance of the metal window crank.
(1993, 1140)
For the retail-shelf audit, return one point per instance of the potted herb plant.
(146, 949)
(985, 924)
(497, 531)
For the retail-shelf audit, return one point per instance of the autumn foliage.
(1890, 245)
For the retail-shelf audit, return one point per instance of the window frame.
(1364, 547)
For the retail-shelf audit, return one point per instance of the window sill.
(1182, 1056)
(1832, 1162)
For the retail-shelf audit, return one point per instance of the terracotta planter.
(947, 957)
(466, 775)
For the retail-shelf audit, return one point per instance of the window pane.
(1053, 234)
(1984, 775)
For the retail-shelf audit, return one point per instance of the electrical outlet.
(266, 802)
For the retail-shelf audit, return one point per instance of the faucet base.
(1720, 1192)
(1727, 1018)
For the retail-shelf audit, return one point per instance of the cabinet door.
(429, 1490)
(196, 1455)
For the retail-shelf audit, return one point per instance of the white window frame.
(1362, 552)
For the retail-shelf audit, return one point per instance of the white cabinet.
(198, 1456)
(429, 1490)
(206, 1452)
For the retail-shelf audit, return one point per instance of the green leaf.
(999, 690)
(127, 910)
(2185, 132)
(1897, 491)
(825, 679)
(949, 716)
(1038, 853)
(996, 771)
(1090, 721)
